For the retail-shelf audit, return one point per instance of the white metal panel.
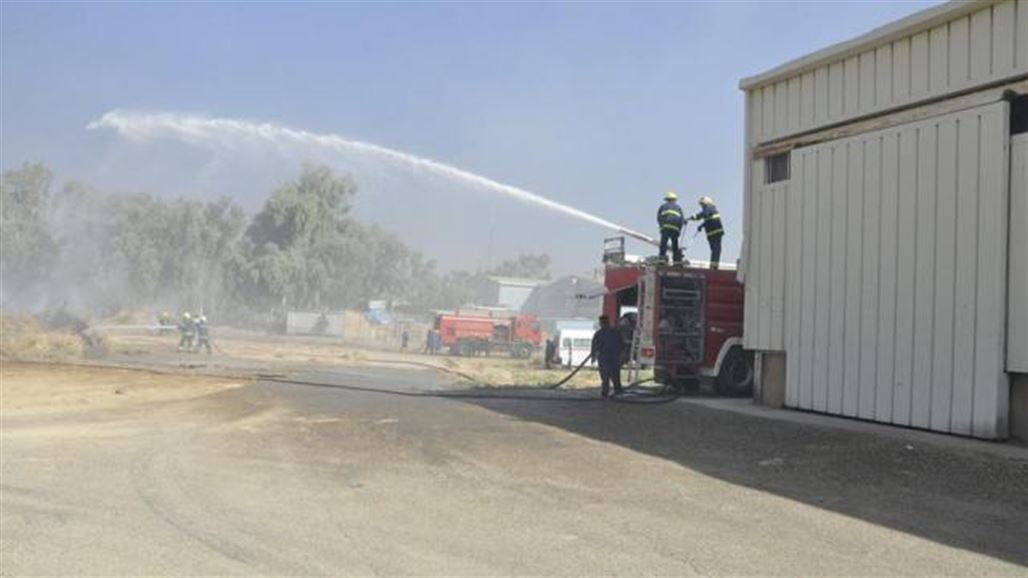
(868, 279)
(795, 103)
(807, 291)
(1004, 41)
(965, 311)
(836, 86)
(938, 49)
(959, 53)
(1021, 30)
(853, 264)
(901, 71)
(941, 384)
(924, 281)
(905, 270)
(793, 275)
(851, 86)
(820, 96)
(756, 115)
(778, 267)
(981, 45)
(781, 108)
(895, 310)
(807, 100)
(765, 291)
(1017, 295)
(883, 75)
(867, 81)
(888, 272)
(990, 326)
(837, 307)
(985, 46)
(764, 320)
(767, 116)
(822, 309)
(751, 237)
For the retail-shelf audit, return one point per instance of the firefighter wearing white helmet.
(671, 218)
(711, 223)
(187, 329)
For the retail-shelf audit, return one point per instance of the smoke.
(229, 134)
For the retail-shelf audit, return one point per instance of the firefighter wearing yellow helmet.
(711, 223)
(671, 218)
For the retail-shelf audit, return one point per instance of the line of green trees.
(104, 252)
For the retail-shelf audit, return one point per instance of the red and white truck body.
(686, 321)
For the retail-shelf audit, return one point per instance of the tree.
(528, 266)
(27, 250)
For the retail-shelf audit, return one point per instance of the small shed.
(885, 256)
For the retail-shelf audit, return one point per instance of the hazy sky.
(601, 106)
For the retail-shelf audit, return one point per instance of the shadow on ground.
(971, 500)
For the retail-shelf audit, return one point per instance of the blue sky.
(599, 105)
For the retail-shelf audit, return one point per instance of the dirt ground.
(345, 462)
(493, 371)
(33, 388)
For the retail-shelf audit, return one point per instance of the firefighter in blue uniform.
(712, 225)
(606, 350)
(671, 219)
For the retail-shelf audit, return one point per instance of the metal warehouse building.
(886, 224)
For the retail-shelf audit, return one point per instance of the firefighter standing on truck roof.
(606, 350)
(670, 218)
(712, 224)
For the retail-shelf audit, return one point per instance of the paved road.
(292, 479)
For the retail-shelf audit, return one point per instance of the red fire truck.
(684, 321)
(483, 333)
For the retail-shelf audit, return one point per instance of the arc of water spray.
(203, 130)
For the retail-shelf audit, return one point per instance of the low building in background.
(570, 302)
(506, 292)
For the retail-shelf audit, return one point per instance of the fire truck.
(482, 333)
(684, 321)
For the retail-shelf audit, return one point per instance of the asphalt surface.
(332, 479)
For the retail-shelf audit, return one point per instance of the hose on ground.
(637, 399)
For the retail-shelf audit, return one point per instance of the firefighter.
(606, 350)
(712, 224)
(203, 336)
(670, 218)
(187, 328)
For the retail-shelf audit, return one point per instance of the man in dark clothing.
(606, 350)
(670, 218)
(712, 224)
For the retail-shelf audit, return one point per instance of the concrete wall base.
(769, 389)
(1019, 407)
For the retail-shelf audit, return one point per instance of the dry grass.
(55, 387)
(23, 338)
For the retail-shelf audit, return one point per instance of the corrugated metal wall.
(1017, 329)
(895, 274)
(986, 46)
(764, 327)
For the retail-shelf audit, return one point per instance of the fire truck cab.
(683, 321)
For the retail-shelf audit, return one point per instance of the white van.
(574, 345)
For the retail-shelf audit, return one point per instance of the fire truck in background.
(482, 333)
(683, 321)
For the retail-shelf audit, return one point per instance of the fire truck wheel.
(736, 376)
